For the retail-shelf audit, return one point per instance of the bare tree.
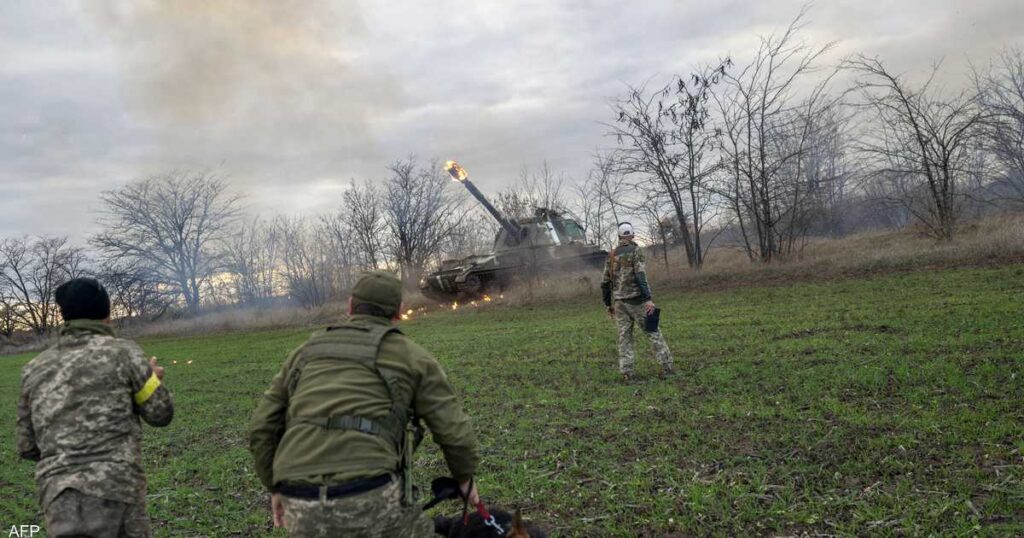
(766, 131)
(134, 294)
(318, 262)
(698, 138)
(828, 170)
(668, 139)
(589, 209)
(645, 135)
(543, 188)
(919, 136)
(341, 248)
(364, 207)
(514, 204)
(661, 226)
(172, 225)
(599, 199)
(802, 140)
(8, 322)
(885, 194)
(304, 262)
(532, 191)
(420, 213)
(475, 234)
(1001, 96)
(30, 272)
(251, 254)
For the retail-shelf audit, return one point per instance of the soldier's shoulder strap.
(345, 342)
(362, 345)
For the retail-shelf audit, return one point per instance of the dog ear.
(518, 529)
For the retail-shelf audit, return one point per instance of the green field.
(888, 406)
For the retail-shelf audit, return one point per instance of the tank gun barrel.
(459, 174)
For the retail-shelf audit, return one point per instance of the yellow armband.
(147, 390)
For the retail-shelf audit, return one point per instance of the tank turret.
(547, 244)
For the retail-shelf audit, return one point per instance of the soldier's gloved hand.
(277, 509)
(649, 307)
(157, 370)
(474, 496)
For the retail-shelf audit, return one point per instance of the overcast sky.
(291, 99)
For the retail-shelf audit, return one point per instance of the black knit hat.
(83, 298)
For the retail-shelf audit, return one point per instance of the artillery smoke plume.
(237, 81)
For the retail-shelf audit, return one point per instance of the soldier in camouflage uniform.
(625, 283)
(330, 437)
(78, 417)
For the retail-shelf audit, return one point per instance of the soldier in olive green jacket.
(329, 437)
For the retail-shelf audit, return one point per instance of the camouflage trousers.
(75, 514)
(378, 513)
(626, 315)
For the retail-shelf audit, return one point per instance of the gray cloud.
(291, 99)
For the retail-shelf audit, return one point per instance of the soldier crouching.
(78, 418)
(331, 436)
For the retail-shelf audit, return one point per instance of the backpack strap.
(362, 345)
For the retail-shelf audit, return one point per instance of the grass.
(888, 406)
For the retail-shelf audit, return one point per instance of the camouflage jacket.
(625, 274)
(78, 414)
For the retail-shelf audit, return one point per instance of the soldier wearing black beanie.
(83, 298)
(78, 419)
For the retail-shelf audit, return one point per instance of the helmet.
(625, 229)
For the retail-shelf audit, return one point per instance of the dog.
(453, 527)
(445, 488)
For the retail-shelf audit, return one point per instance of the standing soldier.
(331, 438)
(625, 283)
(78, 417)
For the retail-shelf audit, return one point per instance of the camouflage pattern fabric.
(626, 272)
(625, 316)
(374, 514)
(73, 513)
(79, 410)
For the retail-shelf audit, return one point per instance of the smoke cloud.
(222, 82)
(290, 99)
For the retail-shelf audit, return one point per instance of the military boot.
(667, 373)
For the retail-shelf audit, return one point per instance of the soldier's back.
(80, 396)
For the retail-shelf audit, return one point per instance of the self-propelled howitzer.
(545, 245)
